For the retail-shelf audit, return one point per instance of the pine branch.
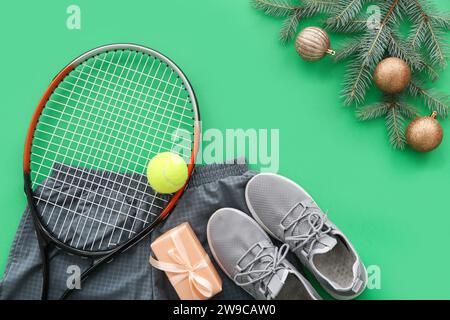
(380, 109)
(360, 72)
(434, 100)
(289, 27)
(430, 71)
(357, 80)
(395, 112)
(276, 8)
(290, 24)
(373, 111)
(359, 76)
(424, 51)
(441, 21)
(323, 6)
(424, 11)
(348, 51)
(293, 14)
(398, 48)
(403, 5)
(427, 30)
(436, 50)
(408, 111)
(396, 16)
(392, 11)
(344, 12)
(354, 26)
(395, 125)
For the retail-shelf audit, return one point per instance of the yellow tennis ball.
(167, 172)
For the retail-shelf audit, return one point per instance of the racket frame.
(45, 238)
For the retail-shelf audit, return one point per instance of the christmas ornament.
(312, 44)
(392, 75)
(369, 40)
(424, 134)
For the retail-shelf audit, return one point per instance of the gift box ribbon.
(182, 266)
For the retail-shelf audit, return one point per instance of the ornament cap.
(331, 52)
(434, 114)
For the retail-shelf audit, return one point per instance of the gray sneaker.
(290, 215)
(247, 255)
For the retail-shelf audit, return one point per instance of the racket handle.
(45, 273)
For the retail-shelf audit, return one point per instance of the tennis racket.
(98, 124)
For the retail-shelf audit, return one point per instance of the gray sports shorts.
(130, 276)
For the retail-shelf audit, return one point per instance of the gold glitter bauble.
(313, 44)
(392, 75)
(424, 134)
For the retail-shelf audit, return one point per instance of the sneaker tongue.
(325, 244)
(262, 247)
(277, 281)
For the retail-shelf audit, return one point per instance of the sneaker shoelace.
(269, 260)
(316, 226)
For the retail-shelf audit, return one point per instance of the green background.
(393, 205)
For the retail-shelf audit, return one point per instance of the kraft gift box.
(181, 256)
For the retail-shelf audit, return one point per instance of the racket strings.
(86, 192)
(93, 185)
(75, 211)
(117, 115)
(112, 113)
(138, 100)
(125, 94)
(124, 80)
(124, 223)
(90, 140)
(154, 136)
(83, 151)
